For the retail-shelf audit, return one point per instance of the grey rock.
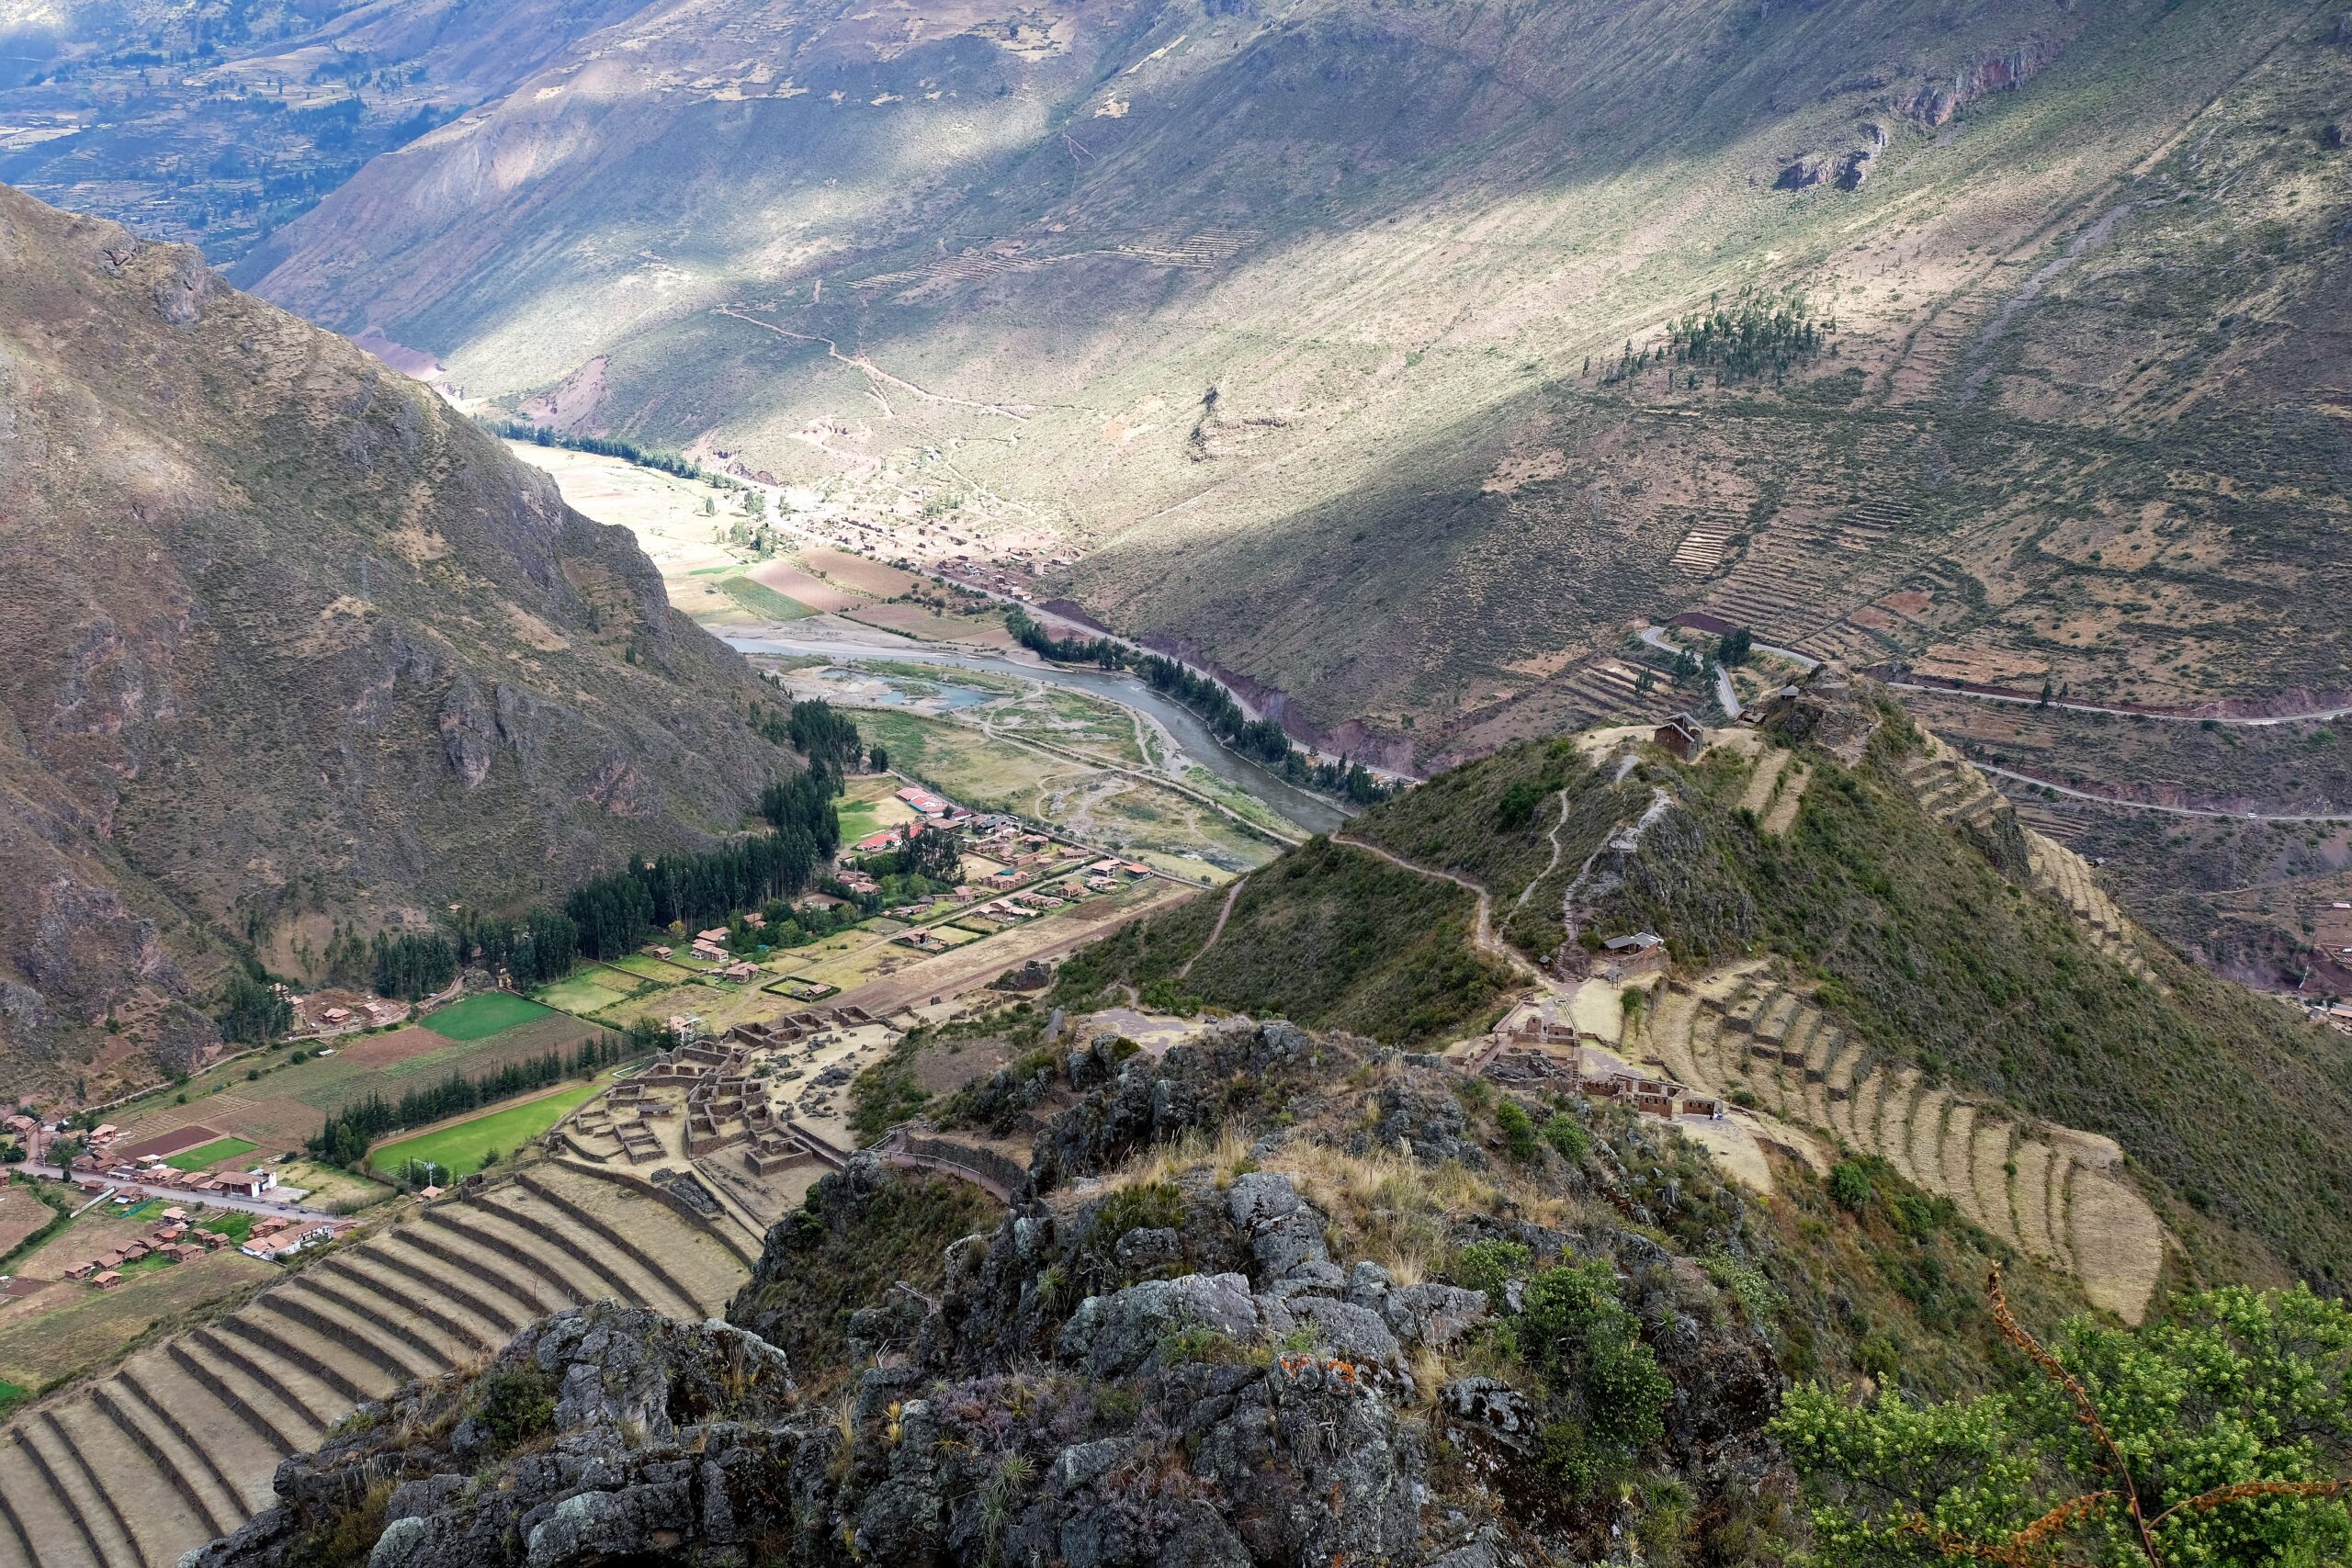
(1435, 1315)
(1285, 1232)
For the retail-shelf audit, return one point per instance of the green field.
(652, 968)
(759, 597)
(480, 1017)
(582, 993)
(236, 1224)
(205, 1155)
(460, 1149)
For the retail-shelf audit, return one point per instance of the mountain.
(214, 121)
(1871, 955)
(292, 644)
(1300, 328)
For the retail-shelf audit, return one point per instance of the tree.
(2213, 1437)
(2046, 694)
(878, 758)
(251, 1010)
(1734, 648)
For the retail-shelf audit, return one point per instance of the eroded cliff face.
(1195, 1367)
(288, 642)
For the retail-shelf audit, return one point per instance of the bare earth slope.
(1295, 320)
(285, 641)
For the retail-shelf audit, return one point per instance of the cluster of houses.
(94, 1173)
(280, 1237)
(172, 1240)
(322, 1014)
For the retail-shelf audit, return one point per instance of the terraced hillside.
(178, 1443)
(1979, 993)
(2057, 1195)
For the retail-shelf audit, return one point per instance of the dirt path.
(2147, 804)
(859, 362)
(1224, 913)
(1554, 864)
(2018, 699)
(1483, 934)
(960, 969)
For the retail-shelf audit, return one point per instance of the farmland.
(463, 1148)
(284, 1102)
(205, 1155)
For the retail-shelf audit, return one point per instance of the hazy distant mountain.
(287, 641)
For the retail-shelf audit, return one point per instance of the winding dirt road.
(1483, 935)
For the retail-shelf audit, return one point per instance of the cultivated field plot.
(293, 1100)
(464, 1147)
(591, 988)
(857, 573)
(802, 587)
(760, 600)
(652, 968)
(219, 1151)
(479, 1017)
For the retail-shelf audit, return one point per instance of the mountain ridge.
(295, 646)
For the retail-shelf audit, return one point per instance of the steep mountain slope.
(1300, 323)
(1875, 911)
(289, 642)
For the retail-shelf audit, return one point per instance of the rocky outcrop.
(1179, 1372)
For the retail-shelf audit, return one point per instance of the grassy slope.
(1907, 933)
(1326, 936)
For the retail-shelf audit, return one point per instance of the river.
(1316, 813)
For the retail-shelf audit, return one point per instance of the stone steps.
(2028, 1198)
(700, 1287)
(606, 1275)
(196, 1420)
(1957, 1160)
(519, 1293)
(270, 1392)
(1988, 1158)
(563, 1279)
(179, 1444)
(443, 1321)
(316, 1305)
(1669, 1035)
(275, 1333)
(1927, 1140)
(497, 1310)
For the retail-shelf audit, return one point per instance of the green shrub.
(1849, 1186)
(517, 1405)
(1567, 1137)
(1580, 1335)
(1519, 1130)
(1486, 1265)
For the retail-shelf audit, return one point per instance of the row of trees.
(1262, 740)
(608, 446)
(345, 1138)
